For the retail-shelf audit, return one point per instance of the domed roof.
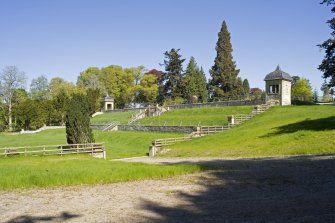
(107, 98)
(278, 74)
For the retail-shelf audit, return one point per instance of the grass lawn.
(122, 117)
(30, 172)
(291, 130)
(129, 144)
(118, 144)
(197, 116)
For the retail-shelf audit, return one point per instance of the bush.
(299, 102)
(78, 121)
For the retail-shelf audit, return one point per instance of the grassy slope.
(280, 131)
(29, 172)
(122, 117)
(118, 144)
(196, 116)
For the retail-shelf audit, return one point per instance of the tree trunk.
(10, 128)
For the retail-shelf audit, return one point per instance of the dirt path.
(299, 189)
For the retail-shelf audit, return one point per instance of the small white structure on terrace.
(278, 87)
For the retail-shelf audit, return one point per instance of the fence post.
(61, 150)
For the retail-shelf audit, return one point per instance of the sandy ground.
(298, 189)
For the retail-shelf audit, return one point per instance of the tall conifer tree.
(195, 80)
(173, 76)
(223, 72)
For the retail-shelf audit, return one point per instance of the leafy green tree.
(328, 63)
(315, 96)
(173, 77)
(59, 85)
(11, 79)
(332, 93)
(246, 88)
(326, 92)
(119, 83)
(39, 88)
(90, 79)
(224, 73)
(148, 89)
(94, 100)
(138, 73)
(78, 121)
(30, 115)
(302, 90)
(60, 102)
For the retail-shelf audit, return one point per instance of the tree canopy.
(11, 79)
(328, 63)
(302, 90)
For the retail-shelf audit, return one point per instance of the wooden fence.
(94, 149)
(158, 144)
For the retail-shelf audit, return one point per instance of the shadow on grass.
(64, 216)
(300, 189)
(310, 125)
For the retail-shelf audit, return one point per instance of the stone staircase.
(111, 126)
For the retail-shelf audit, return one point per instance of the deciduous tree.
(302, 90)
(148, 89)
(39, 88)
(10, 80)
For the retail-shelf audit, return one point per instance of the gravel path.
(296, 189)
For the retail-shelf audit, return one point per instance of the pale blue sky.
(64, 37)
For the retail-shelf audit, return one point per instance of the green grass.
(32, 172)
(118, 144)
(122, 117)
(196, 116)
(291, 130)
(47, 137)
(129, 144)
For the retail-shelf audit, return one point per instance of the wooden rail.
(158, 144)
(205, 130)
(94, 149)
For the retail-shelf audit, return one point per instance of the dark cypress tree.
(78, 121)
(173, 76)
(223, 72)
(328, 64)
(93, 97)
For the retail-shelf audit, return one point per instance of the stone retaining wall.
(185, 129)
(217, 104)
(99, 126)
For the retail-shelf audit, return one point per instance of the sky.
(61, 38)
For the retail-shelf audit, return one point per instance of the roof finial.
(278, 67)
